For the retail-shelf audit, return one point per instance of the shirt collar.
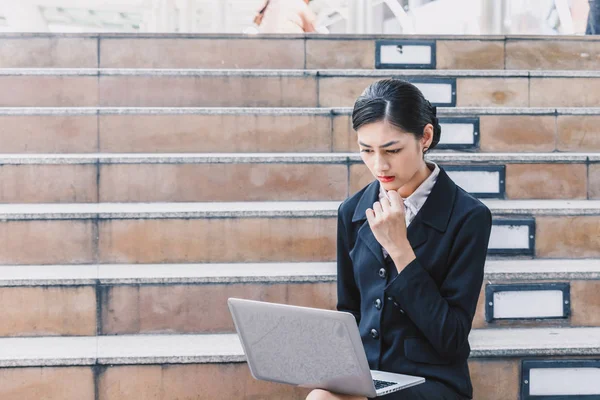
(416, 200)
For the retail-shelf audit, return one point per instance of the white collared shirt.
(415, 201)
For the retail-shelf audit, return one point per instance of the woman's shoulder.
(467, 205)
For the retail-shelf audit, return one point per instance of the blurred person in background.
(593, 22)
(285, 16)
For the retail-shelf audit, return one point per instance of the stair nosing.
(284, 158)
(284, 272)
(324, 73)
(260, 209)
(226, 348)
(325, 111)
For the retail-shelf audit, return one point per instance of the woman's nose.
(380, 164)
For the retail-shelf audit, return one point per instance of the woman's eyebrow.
(388, 144)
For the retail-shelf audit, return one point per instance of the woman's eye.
(365, 150)
(394, 151)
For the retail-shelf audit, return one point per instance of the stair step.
(287, 231)
(288, 88)
(142, 366)
(86, 178)
(283, 158)
(276, 272)
(164, 130)
(249, 209)
(226, 348)
(330, 51)
(109, 299)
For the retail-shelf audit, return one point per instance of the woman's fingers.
(395, 199)
(385, 205)
(377, 208)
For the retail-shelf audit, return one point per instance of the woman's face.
(390, 152)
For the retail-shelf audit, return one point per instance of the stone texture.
(564, 92)
(546, 181)
(594, 181)
(553, 54)
(568, 237)
(215, 133)
(492, 92)
(515, 133)
(190, 382)
(48, 91)
(469, 54)
(495, 379)
(197, 308)
(48, 134)
(48, 311)
(342, 91)
(47, 242)
(217, 240)
(207, 91)
(340, 54)
(31, 183)
(71, 383)
(360, 176)
(202, 53)
(578, 133)
(585, 303)
(48, 52)
(222, 182)
(344, 136)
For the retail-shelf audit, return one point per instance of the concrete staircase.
(130, 212)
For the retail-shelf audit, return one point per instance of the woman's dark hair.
(400, 103)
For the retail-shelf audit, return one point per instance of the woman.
(285, 16)
(413, 291)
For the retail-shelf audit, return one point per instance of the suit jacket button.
(382, 273)
(378, 304)
(374, 334)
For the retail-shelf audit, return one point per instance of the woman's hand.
(388, 223)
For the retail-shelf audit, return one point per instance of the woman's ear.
(427, 137)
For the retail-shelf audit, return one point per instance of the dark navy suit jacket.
(416, 322)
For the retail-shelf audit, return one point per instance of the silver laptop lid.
(302, 346)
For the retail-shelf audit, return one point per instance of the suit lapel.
(365, 234)
(435, 213)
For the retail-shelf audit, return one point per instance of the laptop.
(310, 348)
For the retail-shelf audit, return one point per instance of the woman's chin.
(389, 186)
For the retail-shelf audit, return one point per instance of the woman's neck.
(416, 181)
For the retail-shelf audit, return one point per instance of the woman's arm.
(347, 291)
(444, 315)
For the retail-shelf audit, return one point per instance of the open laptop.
(310, 348)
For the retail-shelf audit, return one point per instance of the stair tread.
(261, 209)
(342, 157)
(210, 348)
(282, 272)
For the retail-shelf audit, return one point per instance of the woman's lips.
(386, 178)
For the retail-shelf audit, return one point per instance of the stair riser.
(269, 133)
(278, 91)
(202, 308)
(89, 183)
(233, 240)
(493, 379)
(356, 53)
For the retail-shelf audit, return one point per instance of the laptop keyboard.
(382, 384)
